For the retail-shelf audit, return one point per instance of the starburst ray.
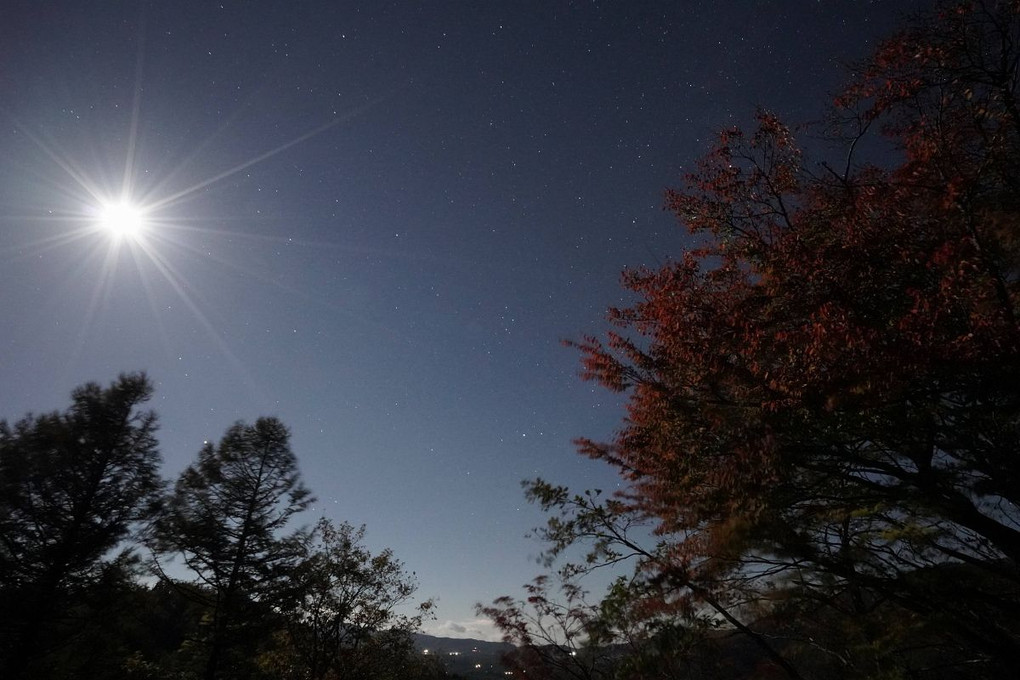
(127, 181)
(176, 282)
(184, 193)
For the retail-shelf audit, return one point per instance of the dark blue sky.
(377, 221)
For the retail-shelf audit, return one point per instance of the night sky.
(376, 221)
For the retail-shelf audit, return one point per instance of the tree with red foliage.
(824, 396)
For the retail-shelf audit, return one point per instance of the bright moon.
(122, 220)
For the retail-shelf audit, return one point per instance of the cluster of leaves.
(81, 494)
(347, 603)
(823, 424)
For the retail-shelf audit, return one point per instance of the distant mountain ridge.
(465, 657)
(459, 645)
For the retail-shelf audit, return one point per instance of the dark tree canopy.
(226, 520)
(824, 395)
(345, 618)
(73, 486)
(80, 493)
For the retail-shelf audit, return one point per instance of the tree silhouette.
(555, 631)
(344, 618)
(73, 486)
(226, 520)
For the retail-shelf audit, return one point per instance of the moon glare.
(122, 220)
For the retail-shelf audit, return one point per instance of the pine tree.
(73, 486)
(226, 520)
